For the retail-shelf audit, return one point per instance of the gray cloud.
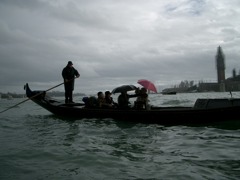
(115, 42)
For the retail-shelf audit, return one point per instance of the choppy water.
(37, 145)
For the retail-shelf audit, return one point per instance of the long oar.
(34, 96)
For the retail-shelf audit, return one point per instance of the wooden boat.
(204, 111)
(169, 93)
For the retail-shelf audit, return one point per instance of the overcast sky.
(115, 42)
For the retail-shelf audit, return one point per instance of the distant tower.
(220, 63)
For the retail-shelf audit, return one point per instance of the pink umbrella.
(148, 85)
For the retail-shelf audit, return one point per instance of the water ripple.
(38, 145)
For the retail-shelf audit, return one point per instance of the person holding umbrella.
(142, 100)
(123, 99)
(69, 73)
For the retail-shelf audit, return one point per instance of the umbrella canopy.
(124, 88)
(148, 85)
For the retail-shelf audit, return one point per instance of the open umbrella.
(124, 88)
(148, 85)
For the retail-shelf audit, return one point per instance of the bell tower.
(220, 64)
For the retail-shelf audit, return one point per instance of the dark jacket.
(69, 73)
(123, 100)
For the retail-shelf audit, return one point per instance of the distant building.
(205, 87)
(222, 85)
(220, 65)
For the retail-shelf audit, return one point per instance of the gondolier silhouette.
(69, 73)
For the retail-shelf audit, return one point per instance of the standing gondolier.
(69, 73)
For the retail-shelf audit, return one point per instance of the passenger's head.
(107, 93)
(123, 92)
(100, 94)
(137, 91)
(143, 90)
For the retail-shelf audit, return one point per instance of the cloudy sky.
(115, 42)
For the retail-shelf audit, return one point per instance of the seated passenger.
(142, 99)
(90, 102)
(101, 100)
(109, 99)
